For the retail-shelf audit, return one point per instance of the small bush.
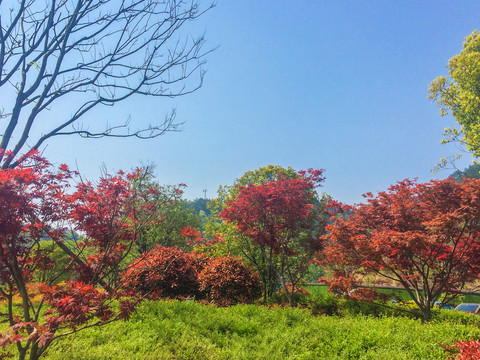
(227, 280)
(164, 272)
(368, 295)
(348, 307)
(339, 285)
(301, 296)
(298, 290)
(329, 304)
(323, 304)
(455, 317)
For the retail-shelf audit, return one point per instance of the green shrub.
(455, 317)
(353, 307)
(324, 304)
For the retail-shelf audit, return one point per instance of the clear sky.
(337, 85)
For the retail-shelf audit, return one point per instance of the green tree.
(459, 94)
(471, 172)
(171, 211)
(167, 232)
(200, 204)
(200, 208)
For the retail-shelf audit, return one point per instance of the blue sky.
(337, 85)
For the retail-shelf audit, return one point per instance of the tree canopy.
(459, 94)
(425, 237)
(472, 171)
(36, 205)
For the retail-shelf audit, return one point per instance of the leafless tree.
(89, 53)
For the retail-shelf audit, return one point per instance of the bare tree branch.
(91, 53)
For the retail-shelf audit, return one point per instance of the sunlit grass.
(188, 330)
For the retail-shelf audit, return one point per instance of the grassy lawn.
(189, 330)
(467, 298)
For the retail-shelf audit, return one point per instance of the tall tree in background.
(459, 94)
(425, 237)
(167, 231)
(90, 53)
(172, 212)
(470, 172)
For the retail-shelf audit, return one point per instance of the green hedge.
(189, 330)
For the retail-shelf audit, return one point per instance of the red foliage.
(297, 290)
(280, 215)
(165, 272)
(369, 295)
(35, 206)
(190, 233)
(106, 213)
(194, 237)
(339, 285)
(31, 205)
(227, 280)
(74, 304)
(273, 212)
(465, 350)
(346, 287)
(426, 236)
(199, 261)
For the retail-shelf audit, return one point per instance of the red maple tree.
(279, 217)
(426, 237)
(35, 208)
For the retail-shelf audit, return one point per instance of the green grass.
(317, 289)
(188, 330)
(471, 298)
(467, 298)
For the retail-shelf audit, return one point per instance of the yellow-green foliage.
(188, 330)
(62, 267)
(459, 94)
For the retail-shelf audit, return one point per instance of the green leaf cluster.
(459, 94)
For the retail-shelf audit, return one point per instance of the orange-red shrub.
(346, 287)
(163, 272)
(227, 280)
(369, 295)
(339, 285)
(199, 261)
(298, 290)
